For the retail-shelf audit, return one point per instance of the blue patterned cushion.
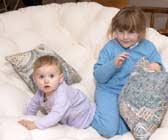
(23, 65)
(143, 101)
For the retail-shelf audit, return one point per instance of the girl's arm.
(156, 62)
(105, 67)
(154, 67)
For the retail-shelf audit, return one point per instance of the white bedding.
(77, 32)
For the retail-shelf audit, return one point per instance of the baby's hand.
(120, 59)
(154, 67)
(28, 124)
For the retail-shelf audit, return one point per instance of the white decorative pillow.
(23, 65)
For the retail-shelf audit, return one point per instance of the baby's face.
(48, 78)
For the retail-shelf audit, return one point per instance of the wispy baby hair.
(47, 60)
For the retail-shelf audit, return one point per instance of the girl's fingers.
(124, 55)
(121, 58)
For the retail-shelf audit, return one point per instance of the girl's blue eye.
(51, 75)
(41, 76)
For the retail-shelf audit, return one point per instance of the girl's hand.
(120, 59)
(154, 67)
(28, 124)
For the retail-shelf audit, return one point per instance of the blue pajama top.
(111, 79)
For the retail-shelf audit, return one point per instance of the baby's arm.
(154, 66)
(32, 108)
(33, 105)
(55, 115)
(28, 124)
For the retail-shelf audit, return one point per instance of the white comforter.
(77, 32)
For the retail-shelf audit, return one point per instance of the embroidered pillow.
(23, 65)
(143, 101)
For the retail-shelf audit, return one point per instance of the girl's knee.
(106, 129)
(108, 132)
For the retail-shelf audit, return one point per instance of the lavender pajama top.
(66, 105)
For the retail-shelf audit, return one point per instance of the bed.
(75, 31)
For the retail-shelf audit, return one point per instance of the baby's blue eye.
(41, 76)
(51, 75)
(132, 32)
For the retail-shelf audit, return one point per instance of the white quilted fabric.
(77, 31)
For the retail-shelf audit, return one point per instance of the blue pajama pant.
(107, 120)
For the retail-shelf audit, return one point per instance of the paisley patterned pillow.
(143, 101)
(23, 65)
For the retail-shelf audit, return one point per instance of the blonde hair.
(47, 60)
(131, 19)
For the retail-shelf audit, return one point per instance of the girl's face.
(47, 78)
(127, 39)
